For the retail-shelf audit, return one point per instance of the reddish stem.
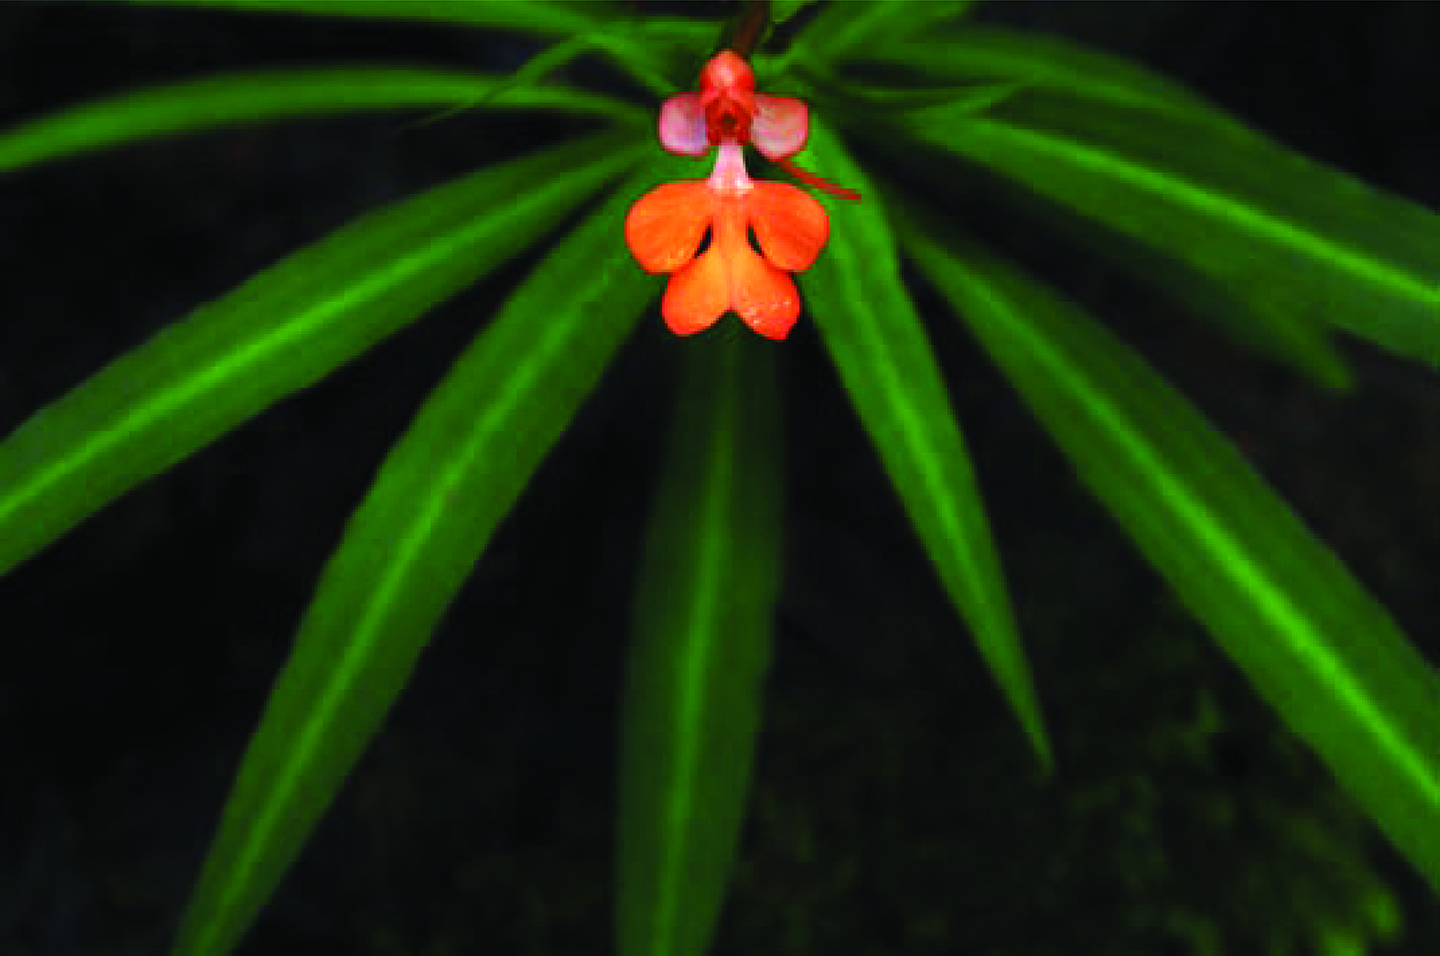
(750, 27)
(815, 182)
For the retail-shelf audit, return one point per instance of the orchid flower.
(665, 227)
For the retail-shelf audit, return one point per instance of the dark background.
(896, 807)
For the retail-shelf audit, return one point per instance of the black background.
(896, 808)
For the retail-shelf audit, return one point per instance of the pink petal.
(682, 126)
(781, 125)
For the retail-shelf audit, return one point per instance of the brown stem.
(748, 28)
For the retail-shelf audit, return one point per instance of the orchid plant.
(1120, 146)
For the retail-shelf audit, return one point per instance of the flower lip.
(665, 227)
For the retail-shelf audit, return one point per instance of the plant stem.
(744, 33)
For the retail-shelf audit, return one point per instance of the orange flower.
(665, 228)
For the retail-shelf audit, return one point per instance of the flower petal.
(664, 227)
(764, 296)
(682, 125)
(780, 126)
(697, 295)
(761, 294)
(790, 226)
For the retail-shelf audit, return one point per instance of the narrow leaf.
(782, 10)
(993, 64)
(544, 17)
(1309, 638)
(986, 55)
(407, 549)
(1292, 235)
(659, 52)
(647, 50)
(280, 331)
(874, 336)
(846, 28)
(254, 97)
(703, 620)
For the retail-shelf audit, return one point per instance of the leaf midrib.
(1232, 555)
(309, 322)
(1206, 201)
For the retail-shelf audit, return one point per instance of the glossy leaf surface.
(407, 549)
(278, 332)
(857, 300)
(1309, 638)
(701, 643)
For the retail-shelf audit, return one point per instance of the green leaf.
(648, 48)
(544, 17)
(230, 100)
(844, 29)
(782, 10)
(407, 549)
(703, 619)
(1296, 238)
(985, 55)
(1309, 638)
(842, 99)
(874, 336)
(650, 51)
(995, 63)
(280, 331)
(660, 52)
